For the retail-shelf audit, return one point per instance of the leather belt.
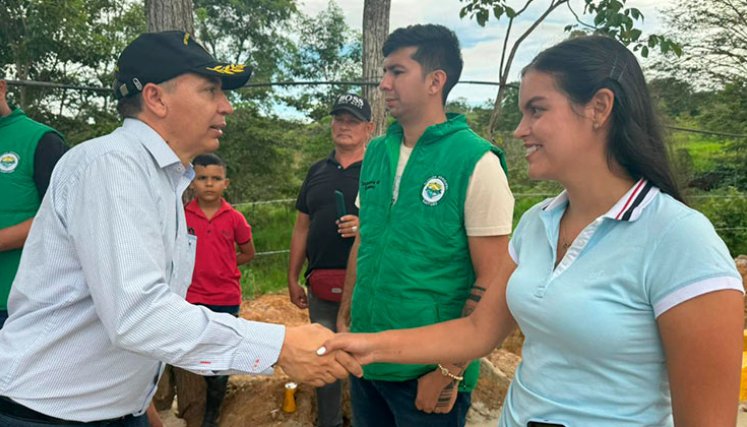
(14, 409)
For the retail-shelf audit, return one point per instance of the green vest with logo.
(19, 136)
(414, 266)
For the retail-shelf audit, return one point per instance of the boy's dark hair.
(208, 160)
(584, 65)
(437, 49)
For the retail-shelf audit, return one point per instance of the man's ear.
(437, 82)
(153, 100)
(370, 126)
(227, 181)
(601, 107)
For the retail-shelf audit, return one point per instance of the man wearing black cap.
(98, 305)
(323, 231)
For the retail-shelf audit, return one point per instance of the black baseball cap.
(157, 57)
(353, 104)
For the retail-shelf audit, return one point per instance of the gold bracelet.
(445, 372)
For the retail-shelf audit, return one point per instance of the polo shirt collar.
(194, 207)
(331, 158)
(628, 208)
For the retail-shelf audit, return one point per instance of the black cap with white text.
(353, 104)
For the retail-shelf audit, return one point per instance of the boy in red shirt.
(219, 229)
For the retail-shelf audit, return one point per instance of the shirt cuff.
(260, 348)
(695, 290)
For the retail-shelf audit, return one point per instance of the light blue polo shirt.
(593, 355)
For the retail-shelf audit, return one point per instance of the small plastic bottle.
(289, 397)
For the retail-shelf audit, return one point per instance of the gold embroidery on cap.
(186, 38)
(229, 69)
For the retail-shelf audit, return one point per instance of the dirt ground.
(170, 420)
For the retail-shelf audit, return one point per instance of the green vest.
(19, 136)
(414, 266)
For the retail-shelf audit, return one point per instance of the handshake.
(307, 356)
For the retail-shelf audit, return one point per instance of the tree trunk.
(164, 15)
(22, 73)
(375, 31)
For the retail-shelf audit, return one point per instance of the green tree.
(609, 17)
(675, 97)
(713, 35)
(71, 41)
(327, 50)
(248, 31)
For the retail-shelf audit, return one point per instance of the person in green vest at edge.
(28, 152)
(435, 215)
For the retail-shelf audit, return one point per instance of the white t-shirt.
(489, 206)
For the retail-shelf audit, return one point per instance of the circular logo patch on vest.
(8, 162)
(434, 189)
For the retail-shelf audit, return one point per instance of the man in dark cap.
(98, 305)
(326, 223)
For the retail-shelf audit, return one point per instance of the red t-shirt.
(215, 280)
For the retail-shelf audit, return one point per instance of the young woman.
(630, 303)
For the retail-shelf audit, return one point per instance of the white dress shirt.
(98, 301)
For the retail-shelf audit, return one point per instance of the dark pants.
(216, 385)
(389, 403)
(15, 415)
(8, 421)
(329, 397)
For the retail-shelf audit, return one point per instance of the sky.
(481, 46)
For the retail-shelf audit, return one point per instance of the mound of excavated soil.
(257, 400)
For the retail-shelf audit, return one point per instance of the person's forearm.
(343, 315)
(242, 258)
(470, 305)
(297, 254)
(428, 344)
(246, 254)
(456, 341)
(14, 237)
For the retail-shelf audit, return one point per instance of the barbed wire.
(263, 202)
(66, 86)
(286, 251)
(695, 196)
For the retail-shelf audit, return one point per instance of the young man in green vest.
(435, 214)
(28, 152)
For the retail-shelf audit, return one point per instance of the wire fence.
(107, 91)
(517, 195)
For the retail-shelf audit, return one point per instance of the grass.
(703, 151)
(272, 226)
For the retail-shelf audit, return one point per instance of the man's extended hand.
(299, 358)
(436, 393)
